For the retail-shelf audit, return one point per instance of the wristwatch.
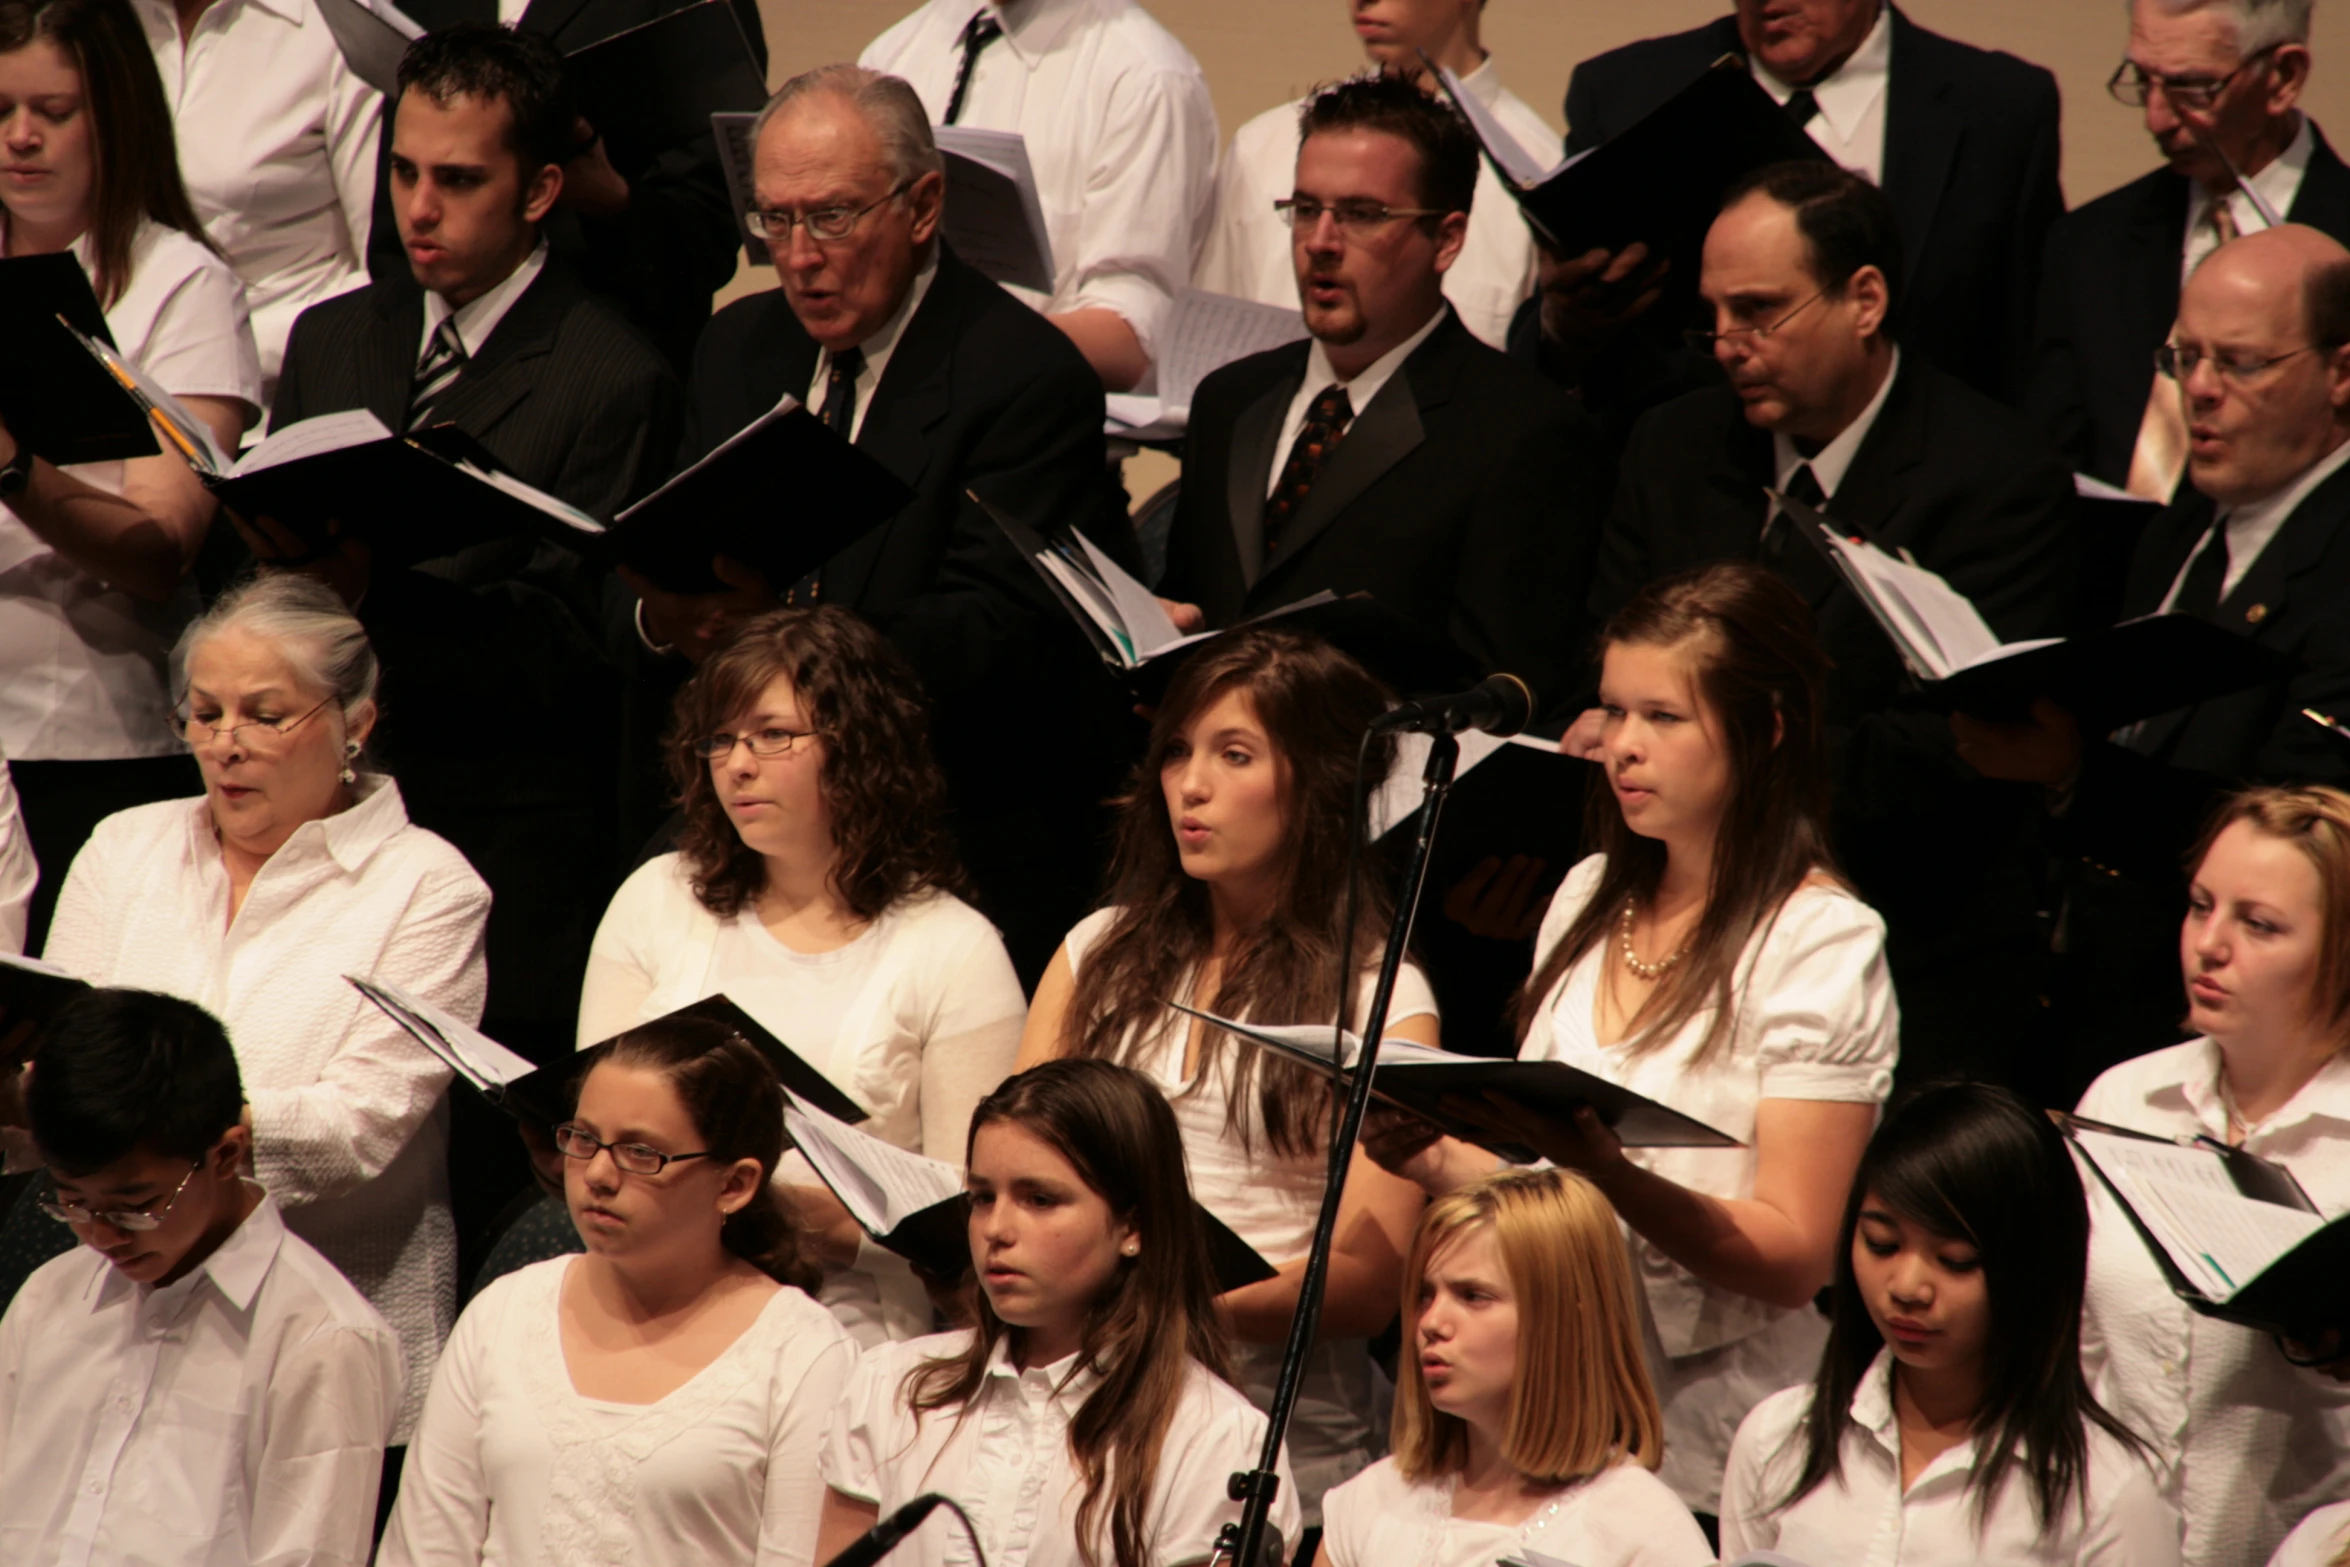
(16, 473)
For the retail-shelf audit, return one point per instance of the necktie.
(2200, 594)
(978, 33)
(1801, 106)
(444, 360)
(840, 417)
(2160, 456)
(1778, 539)
(1326, 422)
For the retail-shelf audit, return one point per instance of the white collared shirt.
(2253, 524)
(2250, 1441)
(82, 664)
(234, 1418)
(2279, 185)
(1623, 1516)
(877, 349)
(277, 143)
(1120, 132)
(1248, 252)
(1832, 461)
(1365, 386)
(479, 316)
(1004, 1458)
(348, 1130)
(2317, 1540)
(1850, 126)
(1865, 1518)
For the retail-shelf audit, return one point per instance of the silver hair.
(306, 621)
(889, 106)
(2260, 24)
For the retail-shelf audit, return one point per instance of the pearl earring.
(350, 755)
(1130, 1249)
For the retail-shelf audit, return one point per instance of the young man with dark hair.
(192, 1384)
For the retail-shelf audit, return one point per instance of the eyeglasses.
(774, 224)
(2179, 363)
(763, 743)
(2133, 84)
(257, 734)
(577, 1142)
(1355, 219)
(137, 1220)
(1704, 342)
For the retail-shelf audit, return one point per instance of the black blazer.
(2109, 294)
(1971, 153)
(1462, 498)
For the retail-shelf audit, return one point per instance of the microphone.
(884, 1537)
(1498, 704)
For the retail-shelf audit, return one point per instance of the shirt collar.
(1832, 461)
(2323, 1097)
(1848, 92)
(1368, 382)
(350, 837)
(884, 341)
(2260, 519)
(237, 1267)
(477, 318)
(1070, 1380)
(1873, 1412)
(1033, 27)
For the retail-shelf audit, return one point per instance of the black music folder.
(655, 86)
(59, 402)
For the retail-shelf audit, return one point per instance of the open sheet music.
(1203, 333)
(908, 1202)
(510, 1081)
(994, 219)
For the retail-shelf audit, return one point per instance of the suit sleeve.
(2056, 393)
(1528, 566)
(2039, 202)
(1625, 562)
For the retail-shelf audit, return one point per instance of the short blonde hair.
(1581, 1401)
(2315, 820)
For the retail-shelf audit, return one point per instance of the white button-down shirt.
(1831, 462)
(1850, 125)
(1623, 1516)
(348, 1130)
(1120, 132)
(1005, 1459)
(234, 1418)
(479, 316)
(1864, 1517)
(1249, 254)
(2251, 1441)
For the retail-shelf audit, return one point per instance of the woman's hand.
(828, 1233)
(1400, 1143)
(1581, 1142)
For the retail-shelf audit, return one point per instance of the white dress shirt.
(877, 349)
(277, 144)
(2279, 184)
(1120, 132)
(2317, 1540)
(1850, 125)
(1366, 385)
(1620, 1517)
(82, 664)
(513, 1465)
(1817, 1021)
(234, 1418)
(349, 1133)
(1248, 252)
(18, 874)
(1271, 1201)
(2251, 526)
(1004, 1458)
(2250, 1441)
(1832, 461)
(917, 1020)
(1866, 1518)
(478, 317)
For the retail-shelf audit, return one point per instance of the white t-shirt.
(1817, 1021)
(82, 664)
(2318, 1540)
(513, 1465)
(2250, 1441)
(1005, 1459)
(2119, 1519)
(1620, 1517)
(1271, 1201)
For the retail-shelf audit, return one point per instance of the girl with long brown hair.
(1709, 958)
(1227, 891)
(1085, 1421)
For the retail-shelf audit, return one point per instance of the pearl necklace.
(1632, 960)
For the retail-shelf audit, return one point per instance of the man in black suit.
(1802, 272)
(2260, 544)
(1391, 452)
(953, 385)
(2111, 285)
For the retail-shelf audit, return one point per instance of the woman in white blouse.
(2249, 1440)
(93, 555)
(1950, 1422)
(1710, 959)
(656, 1402)
(1086, 1420)
(814, 884)
(1524, 1419)
(1226, 894)
(296, 867)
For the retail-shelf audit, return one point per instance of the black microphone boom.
(1498, 704)
(883, 1537)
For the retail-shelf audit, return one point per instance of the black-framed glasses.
(1355, 219)
(147, 1216)
(577, 1142)
(1704, 342)
(764, 743)
(774, 224)
(264, 732)
(2179, 363)
(2133, 84)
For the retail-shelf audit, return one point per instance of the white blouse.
(1004, 1458)
(2251, 1442)
(1816, 1021)
(1271, 1201)
(1620, 1517)
(349, 1132)
(513, 1466)
(918, 1019)
(18, 874)
(2317, 1540)
(1866, 1519)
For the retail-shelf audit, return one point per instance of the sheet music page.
(162, 407)
(1322, 1044)
(1399, 794)
(34, 966)
(732, 133)
(1948, 631)
(2215, 1234)
(561, 510)
(881, 1184)
(1207, 331)
(1147, 625)
(1516, 162)
(309, 437)
(994, 218)
(1092, 595)
(2093, 489)
(471, 1051)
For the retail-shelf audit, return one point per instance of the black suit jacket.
(2109, 294)
(1463, 498)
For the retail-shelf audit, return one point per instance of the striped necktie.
(978, 33)
(444, 360)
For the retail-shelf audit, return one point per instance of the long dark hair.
(1761, 672)
(886, 796)
(1314, 703)
(1973, 1162)
(1156, 1315)
(138, 167)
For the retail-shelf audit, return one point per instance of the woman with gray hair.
(297, 866)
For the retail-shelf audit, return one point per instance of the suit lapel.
(386, 357)
(2323, 201)
(499, 377)
(1876, 488)
(1923, 128)
(2298, 545)
(914, 395)
(1256, 438)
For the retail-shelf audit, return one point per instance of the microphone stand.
(1242, 1543)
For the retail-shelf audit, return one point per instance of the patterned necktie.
(444, 360)
(1778, 538)
(978, 33)
(1801, 106)
(2200, 594)
(1326, 422)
